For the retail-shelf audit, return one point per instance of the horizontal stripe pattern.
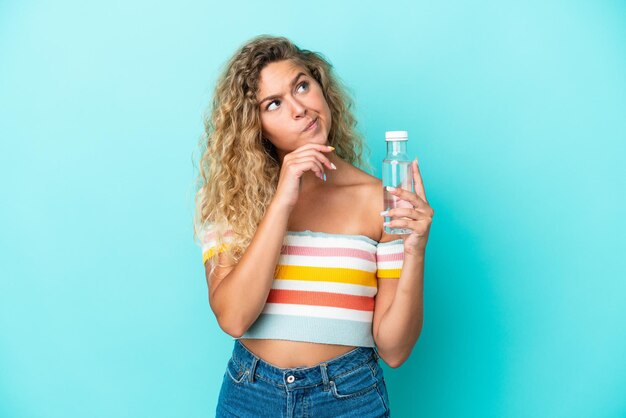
(210, 245)
(213, 250)
(320, 286)
(324, 287)
(330, 261)
(389, 258)
(305, 310)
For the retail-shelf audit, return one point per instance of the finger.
(310, 163)
(296, 153)
(417, 181)
(312, 145)
(403, 212)
(406, 195)
(420, 227)
(418, 203)
(400, 223)
(321, 157)
(317, 167)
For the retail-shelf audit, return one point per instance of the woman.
(299, 269)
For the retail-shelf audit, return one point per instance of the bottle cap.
(396, 136)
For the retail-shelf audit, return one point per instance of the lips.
(310, 124)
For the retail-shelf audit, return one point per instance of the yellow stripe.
(211, 252)
(326, 274)
(388, 273)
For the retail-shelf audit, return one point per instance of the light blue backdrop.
(516, 112)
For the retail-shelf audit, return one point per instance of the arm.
(401, 323)
(237, 293)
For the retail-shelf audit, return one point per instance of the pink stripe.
(328, 252)
(391, 257)
(213, 235)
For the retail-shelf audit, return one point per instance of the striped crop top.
(324, 287)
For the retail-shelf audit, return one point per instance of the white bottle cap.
(396, 136)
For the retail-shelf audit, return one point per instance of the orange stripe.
(335, 300)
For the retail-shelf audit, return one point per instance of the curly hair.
(239, 168)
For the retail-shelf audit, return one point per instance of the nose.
(298, 109)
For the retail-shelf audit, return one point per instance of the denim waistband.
(299, 377)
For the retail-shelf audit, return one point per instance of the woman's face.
(289, 100)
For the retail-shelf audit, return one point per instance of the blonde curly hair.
(239, 168)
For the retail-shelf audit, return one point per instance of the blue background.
(517, 115)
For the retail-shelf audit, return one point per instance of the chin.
(319, 138)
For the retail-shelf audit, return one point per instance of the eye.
(273, 101)
(304, 83)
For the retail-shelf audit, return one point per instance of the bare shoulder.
(370, 190)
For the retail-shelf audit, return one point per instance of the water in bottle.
(397, 172)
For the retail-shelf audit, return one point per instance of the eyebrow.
(274, 96)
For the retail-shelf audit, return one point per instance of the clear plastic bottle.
(397, 172)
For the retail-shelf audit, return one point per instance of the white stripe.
(390, 249)
(390, 264)
(208, 245)
(322, 261)
(318, 311)
(343, 288)
(213, 243)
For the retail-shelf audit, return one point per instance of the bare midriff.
(292, 354)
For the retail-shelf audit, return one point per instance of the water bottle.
(398, 173)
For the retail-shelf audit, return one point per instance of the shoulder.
(370, 190)
(365, 187)
(358, 185)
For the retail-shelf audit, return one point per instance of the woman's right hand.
(295, 164)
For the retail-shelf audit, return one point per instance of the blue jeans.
(349, 385)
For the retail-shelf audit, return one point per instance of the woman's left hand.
(418, 219)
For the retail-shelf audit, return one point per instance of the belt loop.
(376, 354)
(324, 371)
(255, 361)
